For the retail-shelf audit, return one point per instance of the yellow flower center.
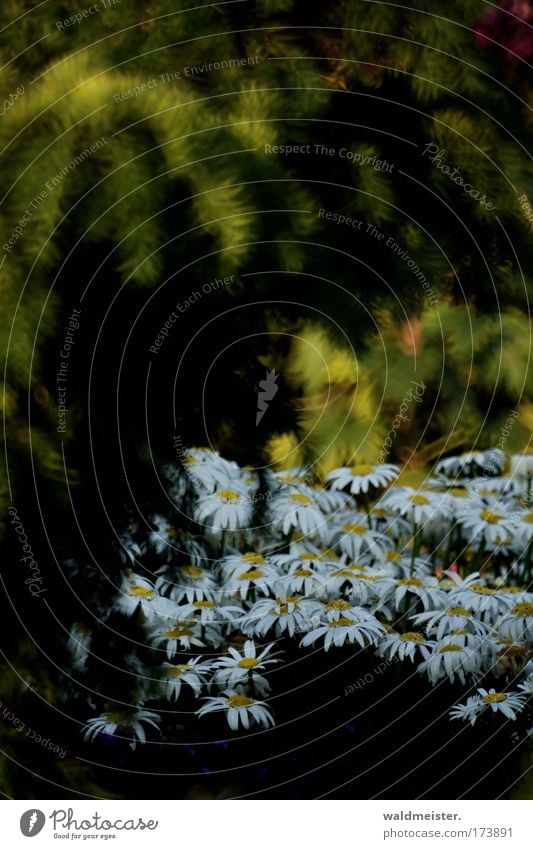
(117, 716)
(411, 582)
(176, 671)
(342, 622)
(141, 592)
(342, 572)
(458, 492)
(525, 608)
(452, 647)
(228, 495)
(189, 461)
(308, 556)
(203, 604)
(248, 662)
(393, 556)
(193, 571)
(299, 498)
(458, 611)
(362, 469)
(354, 529)
(239, 701)
(251, 575)
(302, 573)
(490, 516)
(479, 588)
(379, 512)
(251, 557)
(528, 518)
(338, 604)
(494, 697)
(412, 637)
(173, 633)
(419, 499)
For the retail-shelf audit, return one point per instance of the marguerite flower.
(441, 622)
(138, 592)
(362, 477)
(122, 723)
(182, 635)
(517, 624)
(297, 511)
(239, 709)
(225, 509)
(363, 629)
(191, 582)
(419, 506)
(191, 673)
(491, 525)
(507, 703)
(252, 580)
(287, 613)
(527, 686)
(240, 668)
(450, 658)
(403, 646)
(356, 539)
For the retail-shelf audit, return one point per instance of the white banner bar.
(269, 824)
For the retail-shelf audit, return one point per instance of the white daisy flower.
(296, 511)
(252, 580)
(472, 462)
(473, 594)
(468, 712)
(492, 525)
(451, 659)
(191, 582)
(241, 668)
(287, 613)
(122, 723)
(225, 509)
(191, 673)
(527, 686)
(307, 578)
(138, 592)
(524, 529)
(182, 636)
(240, 709)
(356, 539)
(237, 563)
(441, 622)
(365, 631)
(426, 590)
(403, 646)
(206, 470)
(416, 505)
(363, 477)
(517, 623)
(507, 703)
